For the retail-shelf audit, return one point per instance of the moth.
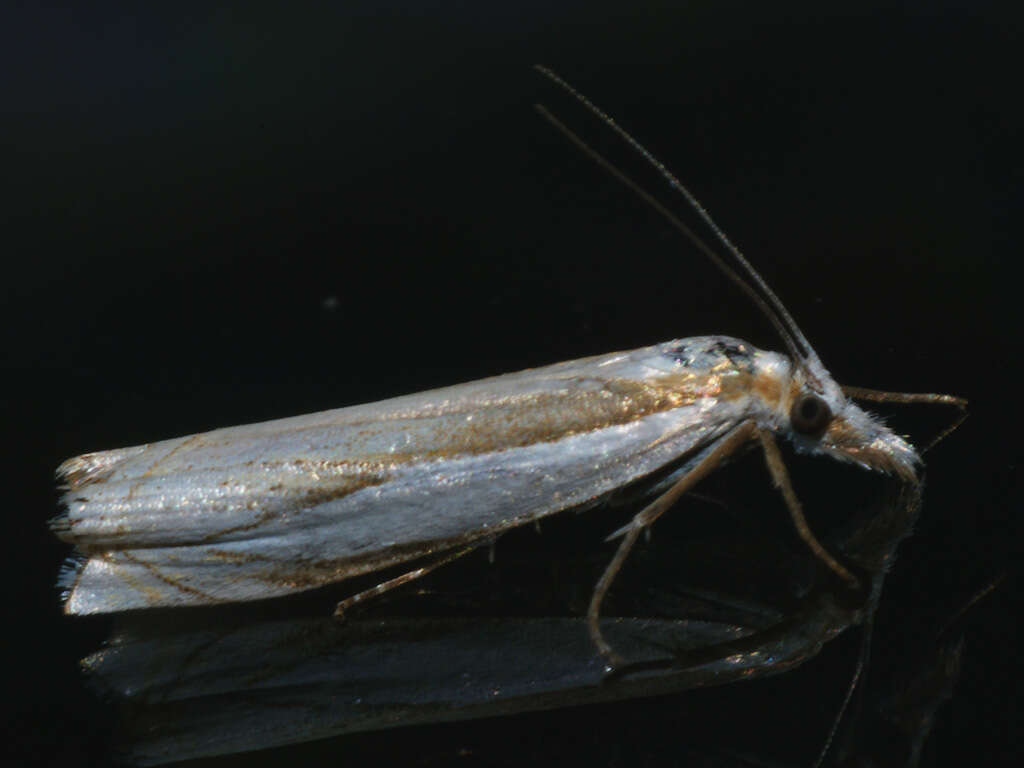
(271, 509)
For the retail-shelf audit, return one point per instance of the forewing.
(267, 509)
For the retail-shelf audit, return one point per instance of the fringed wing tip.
(67, 576)
(92, 467)
(79, 470)
(61, 525)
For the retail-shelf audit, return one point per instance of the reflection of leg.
(405, 578)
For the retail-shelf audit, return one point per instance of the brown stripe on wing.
(584, 405)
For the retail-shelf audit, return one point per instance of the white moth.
(272, 509)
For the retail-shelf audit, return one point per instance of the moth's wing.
(255, 511)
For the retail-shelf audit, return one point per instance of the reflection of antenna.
(977, 597)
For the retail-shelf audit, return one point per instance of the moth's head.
(822, 419)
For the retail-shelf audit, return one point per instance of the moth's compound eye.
(810, 415)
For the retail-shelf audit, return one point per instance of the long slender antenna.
(794, 337)
(674, 220)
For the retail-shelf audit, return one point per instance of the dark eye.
(810, 415)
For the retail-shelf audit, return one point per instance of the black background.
(219, 217)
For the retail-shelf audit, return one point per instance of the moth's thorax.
(736, 371)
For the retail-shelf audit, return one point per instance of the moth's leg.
(713, 457)
(405, 578)
(781, 478)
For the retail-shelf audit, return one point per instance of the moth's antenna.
(777, 312)
(674, 220)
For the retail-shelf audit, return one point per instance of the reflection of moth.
(203, 683)
(272, 509)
